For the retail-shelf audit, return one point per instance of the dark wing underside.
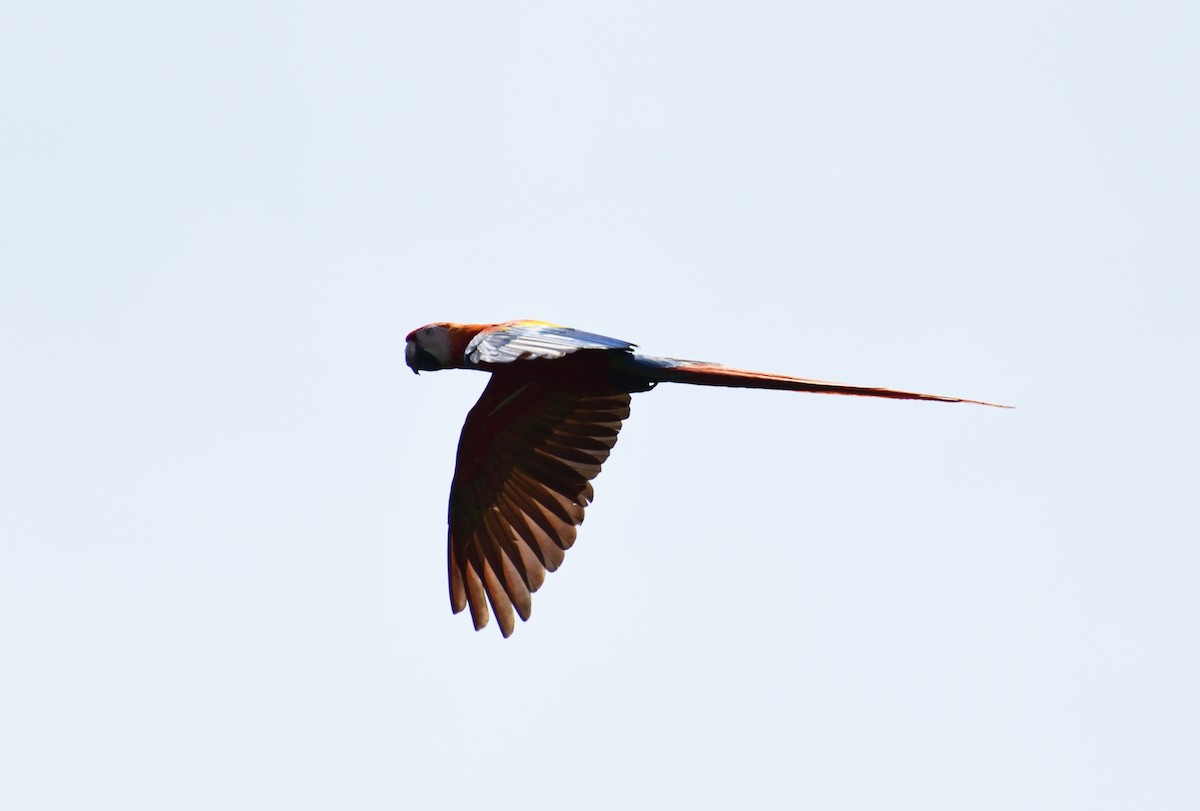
(526, 459)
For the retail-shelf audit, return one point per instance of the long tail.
(698, 373)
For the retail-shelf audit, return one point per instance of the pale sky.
(222, 528)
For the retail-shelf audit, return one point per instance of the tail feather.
(698, 373)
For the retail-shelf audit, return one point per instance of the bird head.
(430, 348)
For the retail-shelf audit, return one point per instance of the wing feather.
(501, 605)
(476, 596)
(544, 533)
(526, 459)
(555, 524)
(567, 511)
(505, 559)
(526, 548)
(539, 530)
(522, 340)
(458, 587)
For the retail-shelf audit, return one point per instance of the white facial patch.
(435, 340)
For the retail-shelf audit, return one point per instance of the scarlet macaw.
(544, 425)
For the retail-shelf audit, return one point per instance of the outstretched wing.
(520, 340)
(526, 459)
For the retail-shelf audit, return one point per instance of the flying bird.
(542, 428)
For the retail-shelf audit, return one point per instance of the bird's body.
(537, 437)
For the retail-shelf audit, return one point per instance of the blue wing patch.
(525, 340)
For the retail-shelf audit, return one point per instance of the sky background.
(222, 520)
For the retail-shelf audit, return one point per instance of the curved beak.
(410, 356)
(420, 359)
